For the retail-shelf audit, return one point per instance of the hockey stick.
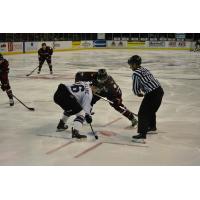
(96, 136)
(32, 109)
(105, 99)
(32, 71)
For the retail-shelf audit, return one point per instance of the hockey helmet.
(102, 75)
(44, 44)
(135, 60)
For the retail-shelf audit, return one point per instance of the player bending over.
(74, 99)
(106, 87)
(5, 86)
(145, 83)
(45, 53)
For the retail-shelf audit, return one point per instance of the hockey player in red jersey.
(74, 99)
(107, 87)
(45, 53)
(5, 86)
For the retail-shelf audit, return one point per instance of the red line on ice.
(60, 147)
(87, 150)
(123, 144)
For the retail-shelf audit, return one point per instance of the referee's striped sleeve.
(136, 84)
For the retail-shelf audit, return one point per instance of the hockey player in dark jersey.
(197, 45)
(45, 53)
(5, 86)
(106, 87)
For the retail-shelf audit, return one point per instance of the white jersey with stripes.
(83, 94)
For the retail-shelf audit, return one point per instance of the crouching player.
(74, 99)
(5, 86)
(106, 87)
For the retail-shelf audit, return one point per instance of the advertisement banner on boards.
(99, 43)
(31, 46)
(172, 44)
(156, 43)
(62, 45)
(3, 47)
(76, 44)
(181, 44)
(136, 44)
(116, 44)
(10, 46)
(86, 44)
(17, 46)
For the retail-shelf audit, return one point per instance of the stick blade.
(32, 109)
(96, 137)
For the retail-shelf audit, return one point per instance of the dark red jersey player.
(107, 87)
(5, 85)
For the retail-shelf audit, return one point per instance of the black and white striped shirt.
(144, 81)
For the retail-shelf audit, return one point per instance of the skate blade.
(61, 130)
(140, 141)
(79, 139)
(152, 132)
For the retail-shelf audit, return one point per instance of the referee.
(144, 84)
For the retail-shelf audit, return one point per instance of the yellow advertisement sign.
(76, 44)
(136, 44)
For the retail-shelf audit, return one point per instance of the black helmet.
(102, 75)
(1, 57)
(44, 44)
(135, 60)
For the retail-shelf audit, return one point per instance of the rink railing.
(32, 47)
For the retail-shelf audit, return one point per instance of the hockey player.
(45, 53)
(197, 45)
(5, 86)
(144, 84)
(74, 99)
(107, 87)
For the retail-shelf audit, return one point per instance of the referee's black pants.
(148, 109)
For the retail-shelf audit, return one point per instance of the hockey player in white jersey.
(74, 99)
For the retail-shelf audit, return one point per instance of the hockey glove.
(117, 101)
(88, 118)
(4, 86)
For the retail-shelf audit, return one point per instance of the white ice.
(178, 119)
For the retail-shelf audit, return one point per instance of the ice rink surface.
(30, 138)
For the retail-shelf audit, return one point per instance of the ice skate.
(11, 101)
(75, 134)
(61, 126)
(139, 139)
(134, 122)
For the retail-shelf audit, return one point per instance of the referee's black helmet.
(135, 60)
